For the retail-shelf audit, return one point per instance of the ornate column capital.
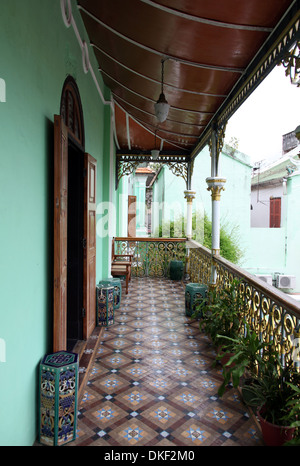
(189, 195)
(216, 185)
(291, 62)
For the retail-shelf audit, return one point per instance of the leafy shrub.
(202, 232)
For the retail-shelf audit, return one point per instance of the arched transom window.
(71, 111)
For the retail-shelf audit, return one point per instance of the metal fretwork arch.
(178, 164)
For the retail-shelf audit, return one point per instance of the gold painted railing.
(271, 313)
(151, 256)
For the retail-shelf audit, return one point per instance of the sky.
(272, 110)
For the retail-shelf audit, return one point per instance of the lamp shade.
(155, 154)
(161, 108)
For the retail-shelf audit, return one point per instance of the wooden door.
(275, 212)
(60, 234)
(89, 260)
(131, 232)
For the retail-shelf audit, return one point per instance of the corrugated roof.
(275, 170)
(215, 53)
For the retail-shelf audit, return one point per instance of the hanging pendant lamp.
(155, 152)
(162, 107)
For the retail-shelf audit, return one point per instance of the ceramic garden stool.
(58, 398)
(116, 282)
(193, 293)
(176, 270)
(105, 304)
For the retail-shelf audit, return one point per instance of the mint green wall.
(293, 228)
(122, 207)
(37, 53)
(262, 242)
(106, 204)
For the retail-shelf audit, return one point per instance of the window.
(275, 212)
(71, 110)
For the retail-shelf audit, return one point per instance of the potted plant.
(247, 353)
(276, 393)
(222, 313)
(293, 416)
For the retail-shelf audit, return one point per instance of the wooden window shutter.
(275, 212)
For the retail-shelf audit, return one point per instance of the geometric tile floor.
(152, 381)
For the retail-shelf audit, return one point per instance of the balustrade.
(151, 256)
(272, 314)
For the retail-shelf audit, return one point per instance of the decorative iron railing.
(152, 256)
(274, 315)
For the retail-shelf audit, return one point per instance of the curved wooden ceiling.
(208, 47)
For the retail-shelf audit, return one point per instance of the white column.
(215, 185)
(189, 196)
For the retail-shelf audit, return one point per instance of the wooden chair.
(121, 265)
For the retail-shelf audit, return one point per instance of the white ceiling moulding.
(66, 11)
(114, 124)
(85, 57)
(68, 19)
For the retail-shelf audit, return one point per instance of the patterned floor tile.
(153, 382)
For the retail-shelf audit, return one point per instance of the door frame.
(89, 256)
(68, 126)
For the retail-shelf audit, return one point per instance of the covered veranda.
(199, 62)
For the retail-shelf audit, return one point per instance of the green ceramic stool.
(58, 389)
(116, 282)
(105, 306)
(193, 293)
(176, 270)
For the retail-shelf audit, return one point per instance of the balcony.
(152, 380)
(270, 312)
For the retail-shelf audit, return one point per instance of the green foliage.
(276, 389)
(221, 315)
(249, 353)
(202, 232)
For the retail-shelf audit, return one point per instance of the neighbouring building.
(275, 221)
